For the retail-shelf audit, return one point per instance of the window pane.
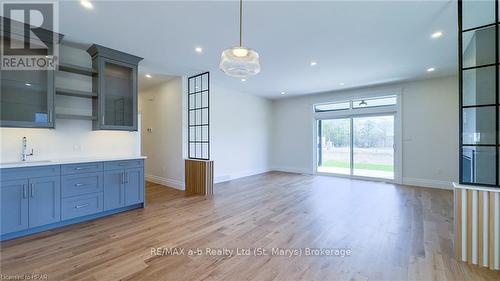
(478, 165)
(374, 146)
(479, 86)
(478, 47)
(334, 146)
(374, 102)
(331, 106)
(477, 13)
(479, 125)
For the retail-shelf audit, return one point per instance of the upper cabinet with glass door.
(27, 82)
(116, 87)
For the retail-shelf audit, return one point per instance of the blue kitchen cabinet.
(44, 201)
(14, 208)
(113, 189)
(134, 186)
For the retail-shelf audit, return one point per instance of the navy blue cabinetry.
(35, 199)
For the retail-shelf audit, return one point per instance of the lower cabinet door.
(14, 208)
(134, 186)
(113, 189)
(44, 201)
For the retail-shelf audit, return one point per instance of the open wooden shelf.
(77, 69)
(75, 93)
(75, 117)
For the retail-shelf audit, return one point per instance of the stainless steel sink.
(25, 162)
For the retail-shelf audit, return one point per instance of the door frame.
(365, 112)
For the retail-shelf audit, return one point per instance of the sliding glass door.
(359, 146)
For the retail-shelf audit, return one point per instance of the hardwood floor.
(393, 233)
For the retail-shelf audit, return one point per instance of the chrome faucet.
(25, 155)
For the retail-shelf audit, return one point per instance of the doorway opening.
(358, 139)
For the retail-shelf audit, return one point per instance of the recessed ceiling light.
(430, 69)
(437, 34)
(148, 76)
(313, 63)
(341, 83)
(283, 93)
(87, 4)
(28, 84)
(243, 80)
(199, 50)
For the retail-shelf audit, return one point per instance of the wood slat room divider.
(477, 225)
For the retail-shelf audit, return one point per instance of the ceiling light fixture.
(148, 76)
(240, 61)
(199, 50)
(87, 4)
(283, 93)
(28, 84)
(313, 63)
(243, 80)
(430, 69)
(341, 83)
(437, 34)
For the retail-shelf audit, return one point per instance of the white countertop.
(47, 162)
(475, 187)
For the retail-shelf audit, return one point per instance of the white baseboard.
(166, 182)
(238, 175)
(291, 170)
(428, 183)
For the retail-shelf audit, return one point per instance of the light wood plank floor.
(394, 233)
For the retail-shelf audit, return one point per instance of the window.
(373, 102)
(332, 106)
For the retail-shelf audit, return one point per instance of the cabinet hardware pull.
(32, 190)
(25, 191)
(122, 164)
(81, 168)
(50, 116)
(123, 178)
(79, 184)
(81, 206)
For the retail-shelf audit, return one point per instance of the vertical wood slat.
(480, 228)
(199, 176)
(491, 235)
(458, 224)
(469, 226)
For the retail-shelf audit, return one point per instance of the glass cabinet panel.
(24, 96)
(119, 95)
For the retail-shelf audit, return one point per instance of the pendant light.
(240, 61)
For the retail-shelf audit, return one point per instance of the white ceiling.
(353, 42)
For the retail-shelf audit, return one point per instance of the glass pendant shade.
(240, 62)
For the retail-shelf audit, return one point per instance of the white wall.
(161, 110)
(240, 133)
(430, 130)
(70, 138)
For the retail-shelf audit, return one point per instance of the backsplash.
(71, 138)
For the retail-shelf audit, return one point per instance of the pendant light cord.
(241, 22)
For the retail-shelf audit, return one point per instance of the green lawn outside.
(362, 166)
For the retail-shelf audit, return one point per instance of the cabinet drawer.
(81, 184)
(82, 205)
(81, 168)
(113, 165)
(30, 172)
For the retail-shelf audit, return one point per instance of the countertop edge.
(69, 161)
